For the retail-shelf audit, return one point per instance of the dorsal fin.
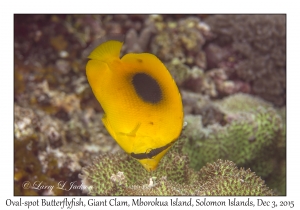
(107, 51)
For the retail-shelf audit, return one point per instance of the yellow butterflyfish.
(142, 104)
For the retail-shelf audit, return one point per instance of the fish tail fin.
(107, 51)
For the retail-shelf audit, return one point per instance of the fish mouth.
(152, 152)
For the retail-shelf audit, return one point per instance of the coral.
(182, 40)
(138, 43)
(179, 71)
(224, 178)
(25, 123)
(213, 83)
(245, 135)
(31, 147)
(104, 167)
(121, 175)
(194, 79)
(249, 134)
(241, 103)
(257, 43)
(278, 180)
(26, 164)
(224, 85)
(51, 149)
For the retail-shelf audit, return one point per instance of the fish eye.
(147, 88)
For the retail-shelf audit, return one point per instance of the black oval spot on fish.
(147, 88)
(139, 60)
